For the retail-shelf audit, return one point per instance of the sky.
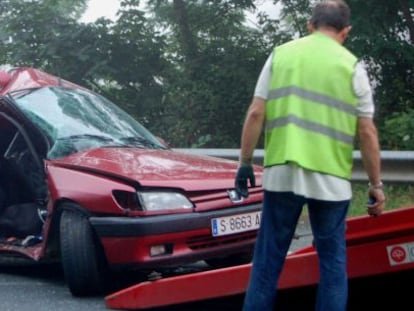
(108, 8)
(99, 8)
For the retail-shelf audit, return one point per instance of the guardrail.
(397, 166)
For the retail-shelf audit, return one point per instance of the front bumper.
(188, 237)
(162, 224)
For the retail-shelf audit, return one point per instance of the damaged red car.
(85, 184)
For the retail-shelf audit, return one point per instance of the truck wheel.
(83, 260)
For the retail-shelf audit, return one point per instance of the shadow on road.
(50, 272)
(386, 292)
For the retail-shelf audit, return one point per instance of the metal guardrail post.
(397, 166)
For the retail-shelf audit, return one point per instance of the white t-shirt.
(290, 177)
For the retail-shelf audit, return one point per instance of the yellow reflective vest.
(311, 108)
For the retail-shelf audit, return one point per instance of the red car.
(84, 183)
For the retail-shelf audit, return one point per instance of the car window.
(76, 120)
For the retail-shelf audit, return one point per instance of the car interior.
(22, 187)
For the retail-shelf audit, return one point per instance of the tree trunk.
(185, 35)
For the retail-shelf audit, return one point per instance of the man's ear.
(343, 34)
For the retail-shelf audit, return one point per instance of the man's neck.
(332, 33)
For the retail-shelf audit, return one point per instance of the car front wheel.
(83, 260)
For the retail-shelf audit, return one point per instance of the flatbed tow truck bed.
(375, 246)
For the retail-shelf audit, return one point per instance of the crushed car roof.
(20, 78)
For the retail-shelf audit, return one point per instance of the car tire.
(229, 261)
(84, 264)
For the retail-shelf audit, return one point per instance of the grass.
(397, 195)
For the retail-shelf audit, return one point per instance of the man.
(313, 99)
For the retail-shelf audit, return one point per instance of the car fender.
(91, 191)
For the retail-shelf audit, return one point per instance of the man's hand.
(376, 203)
(244, 173)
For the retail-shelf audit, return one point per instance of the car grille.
(206, 241)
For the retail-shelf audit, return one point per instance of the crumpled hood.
(163, 168)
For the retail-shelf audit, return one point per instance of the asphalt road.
(42, 288)
(31, 287)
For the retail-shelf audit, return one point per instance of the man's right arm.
(252, 128)
(368, 138)
(370, 152)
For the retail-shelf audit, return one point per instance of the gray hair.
(331, 13)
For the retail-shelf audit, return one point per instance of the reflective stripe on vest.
(311, 118)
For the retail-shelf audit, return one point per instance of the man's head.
(333, 16)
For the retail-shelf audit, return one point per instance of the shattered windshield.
(76, 120)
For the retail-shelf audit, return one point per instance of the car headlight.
(160, 201)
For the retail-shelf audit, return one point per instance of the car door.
(22, 178)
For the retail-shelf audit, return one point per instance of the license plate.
(235, 224)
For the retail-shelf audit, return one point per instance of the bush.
(398, 131)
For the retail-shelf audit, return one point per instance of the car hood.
(162, 168)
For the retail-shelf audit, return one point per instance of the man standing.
(312, 99)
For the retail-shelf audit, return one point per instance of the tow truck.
(375, 246)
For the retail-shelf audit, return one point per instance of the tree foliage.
(44, 34)
(214, 62)
(187, 68)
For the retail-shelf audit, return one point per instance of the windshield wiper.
(121, 142)
(87, 136)
(141, 141)
(22, 92)
(105, 141)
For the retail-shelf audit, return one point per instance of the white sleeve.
(262, 85)
(363, 91)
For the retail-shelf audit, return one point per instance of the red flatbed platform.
(375, 246)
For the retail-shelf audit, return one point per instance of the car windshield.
(76, 120)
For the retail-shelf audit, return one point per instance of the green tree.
(45, 34)
(134, 64)
(383, 35)
(214, 60)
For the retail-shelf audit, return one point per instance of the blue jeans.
(281, 211)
